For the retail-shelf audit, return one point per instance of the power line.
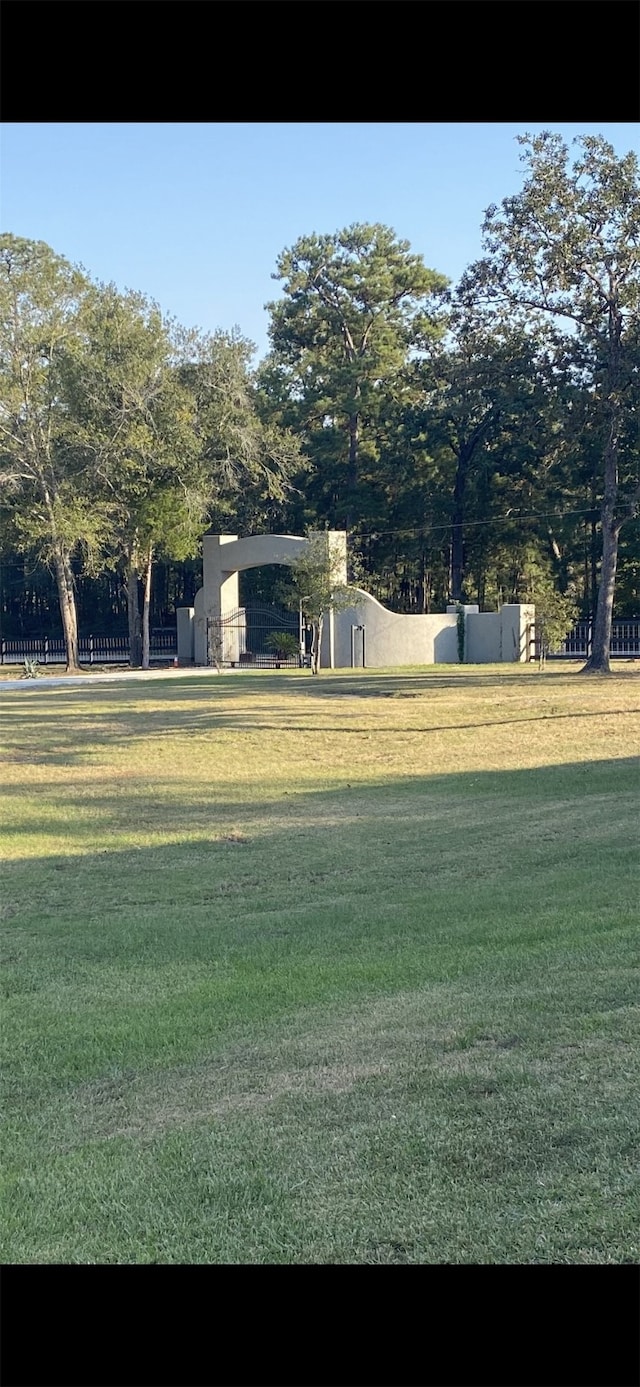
(428, 529)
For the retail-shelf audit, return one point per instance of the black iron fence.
(625, 641)
(246, 638)
(93, 650)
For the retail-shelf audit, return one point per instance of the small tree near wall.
(316, 575)
(555, 615)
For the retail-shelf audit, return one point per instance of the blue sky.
(195, 215)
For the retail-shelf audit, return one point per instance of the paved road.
(129, 676)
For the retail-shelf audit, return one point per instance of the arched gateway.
(364, 633)
(223, 558)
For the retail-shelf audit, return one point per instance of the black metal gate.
(257, 637)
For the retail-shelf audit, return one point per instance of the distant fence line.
(93, 650)
(625, 641)
(114, 650)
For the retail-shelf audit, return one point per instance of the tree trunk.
(352, 467)
(146, 608)
(68, 609)
(133, 613)
(457, 522)
(586, 589)
(316, 638)
(65, 584)
(599, 661)
(354, 439)
(593, 554)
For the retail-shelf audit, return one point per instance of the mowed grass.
(322, 970)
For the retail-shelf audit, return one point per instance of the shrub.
(283, 644)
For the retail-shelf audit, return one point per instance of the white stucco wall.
(391, 638)
(516, 619)
(185, 632)
(199, 629)
(483, 638)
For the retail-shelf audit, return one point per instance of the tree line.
(478, 441)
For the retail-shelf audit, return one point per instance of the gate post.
(355, 628)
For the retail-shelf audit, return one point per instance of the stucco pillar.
(515, 620)
(184, 624)
(220, 583)
(337, 545)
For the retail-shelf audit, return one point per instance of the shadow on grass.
(65, 726)
(446, 916)
(217, 816)
(516, 885)
(331, 684)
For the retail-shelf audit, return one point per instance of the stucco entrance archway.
(223, 558)
(392, 638)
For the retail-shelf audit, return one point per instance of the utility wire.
(427, 529)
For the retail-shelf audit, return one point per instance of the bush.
(283, 644)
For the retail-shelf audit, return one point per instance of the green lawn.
(322, 970)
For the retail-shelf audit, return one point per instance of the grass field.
(322, 970)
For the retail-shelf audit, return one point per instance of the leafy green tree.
(555, 615)
(249, 456)
(398, 550)
(317, 577)
(482, 399)
(134, 423)
(169, 419)
(43, 478)
(119, 431)
(354, 305)
(566, 248)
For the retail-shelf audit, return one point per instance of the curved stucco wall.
(391, 638)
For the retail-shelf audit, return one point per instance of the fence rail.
(114, 650)
(625, 641)
(93, 650)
